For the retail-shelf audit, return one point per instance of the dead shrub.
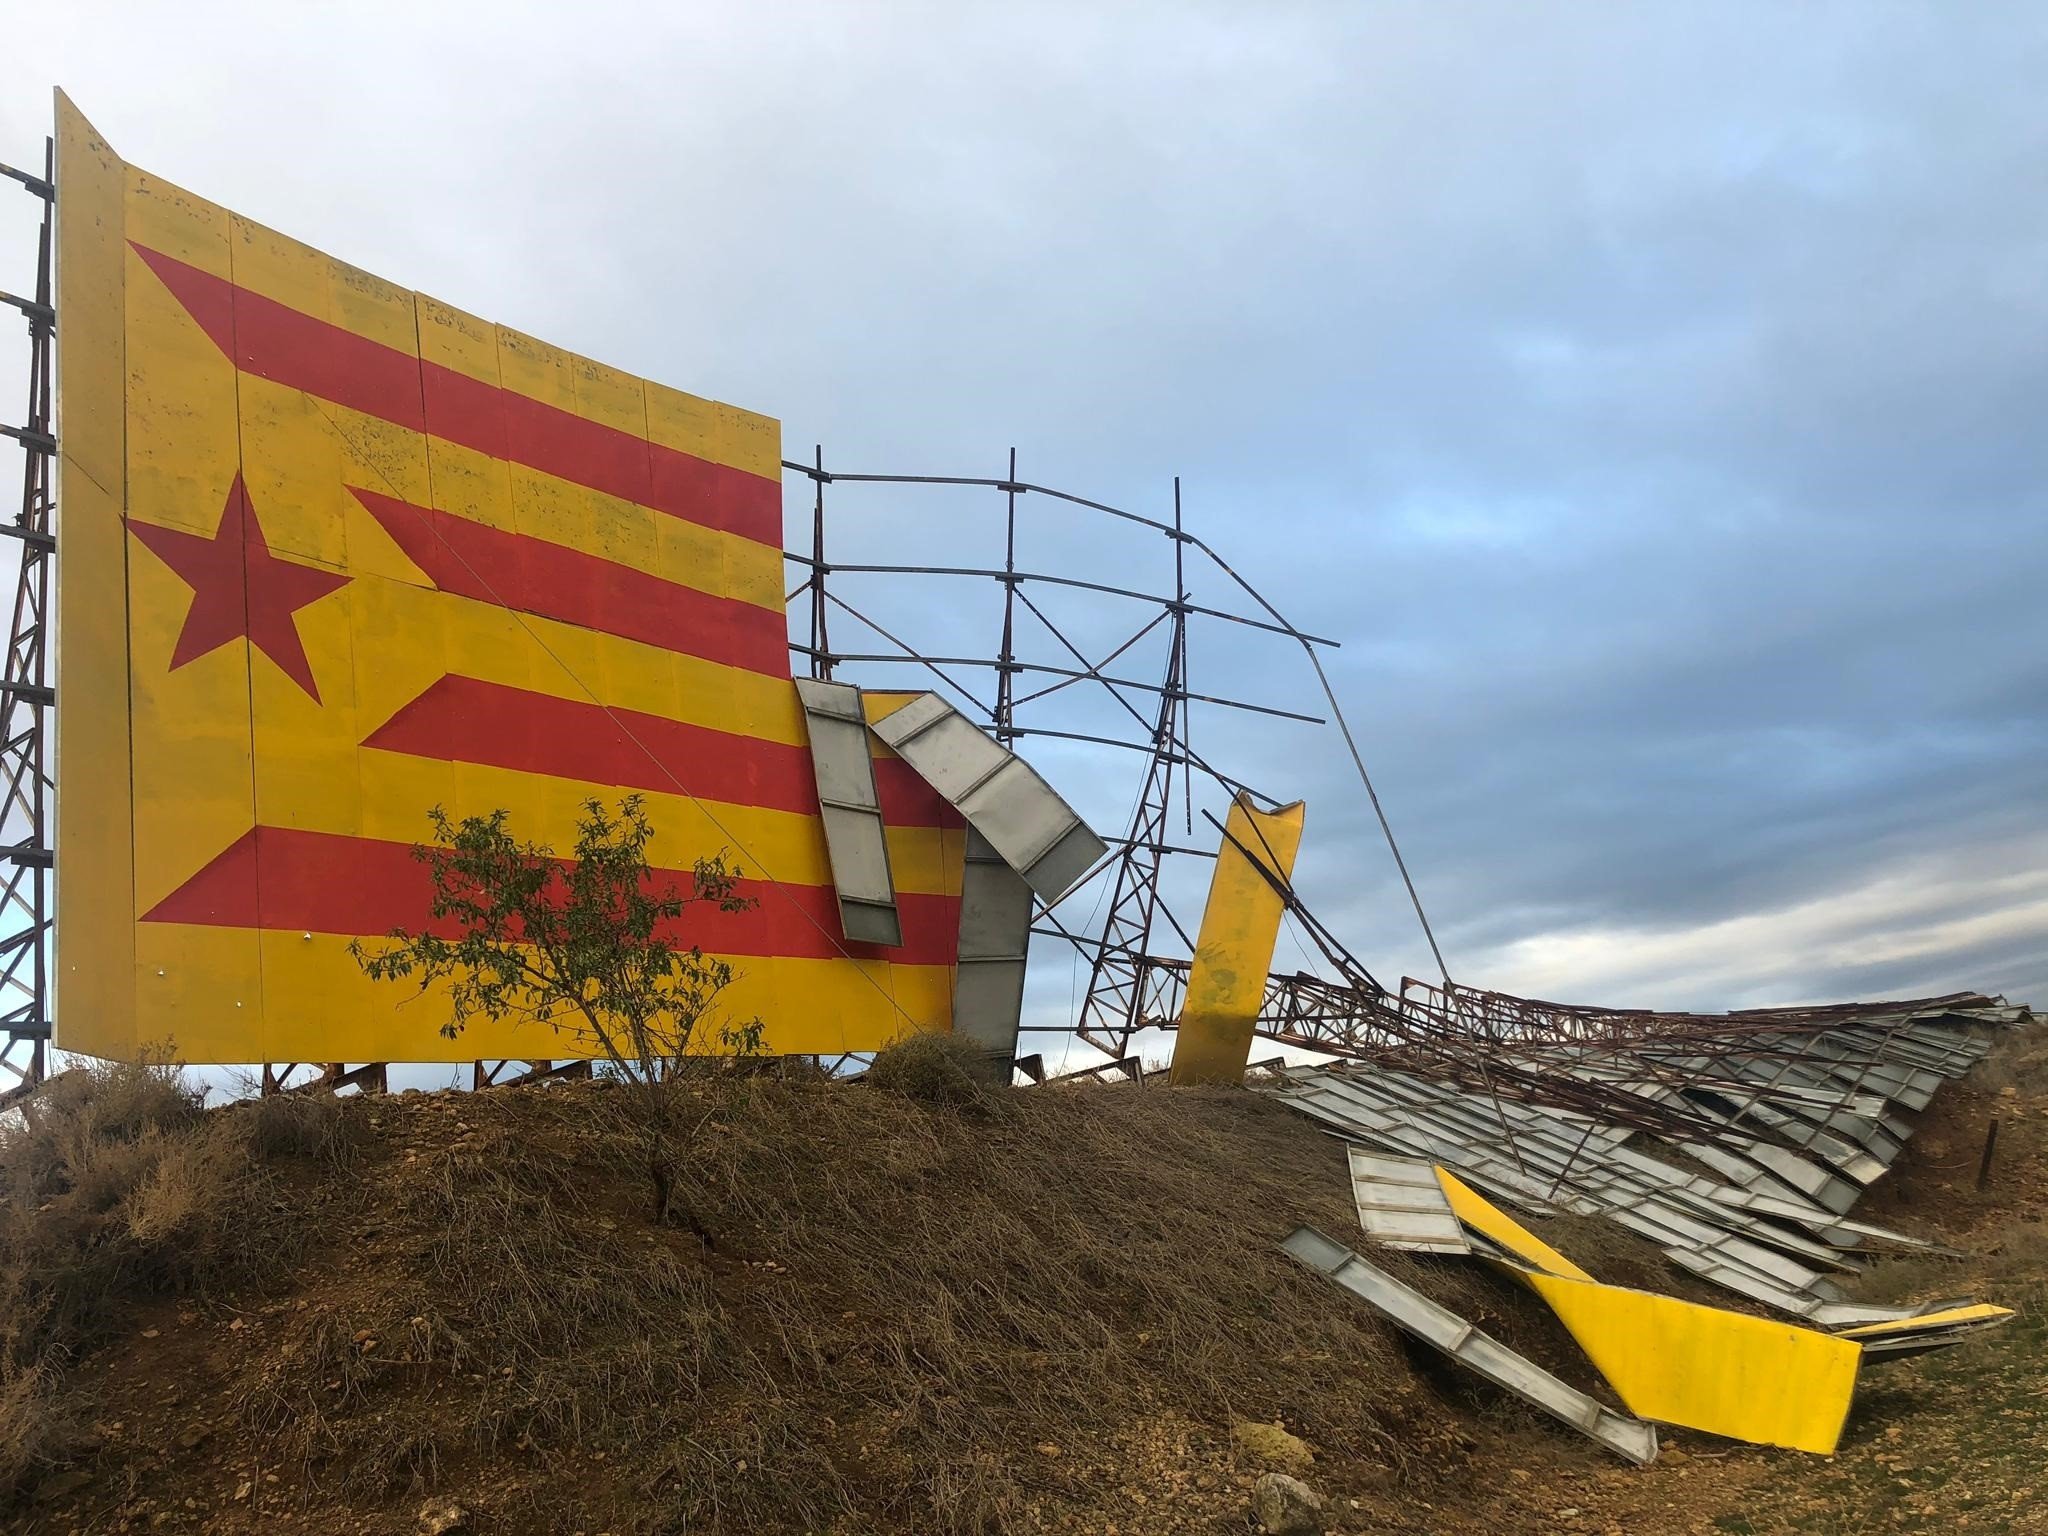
(935, 1068)
(118, 1185)
(36, 1425)
(314, 1124)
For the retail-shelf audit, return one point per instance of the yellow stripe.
(302, 454)
(338, 1014)
(308, 280)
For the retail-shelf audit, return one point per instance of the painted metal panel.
(1401, 1204)
(1494, 1223)
(94, 964)
(1234, 946)
(1975, 1314)
(1703, 1368)
(1442, 1329)
(1761, 1239)
(1000, 794)
(854, 833)
(1932, 1330)
(335, 554)
(995, 933)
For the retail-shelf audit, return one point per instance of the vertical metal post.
(821, 647)
(1180, 630)
(26, 694)
(1115, 1007)
(1006, 655)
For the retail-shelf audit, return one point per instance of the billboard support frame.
(26, 691)
(1125, 993)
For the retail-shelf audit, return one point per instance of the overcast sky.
(1650, 398)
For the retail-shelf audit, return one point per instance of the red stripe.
(516, 570)
(275, 341)
(468, 720)
(317, 882)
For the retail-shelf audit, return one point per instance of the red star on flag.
(240, 588)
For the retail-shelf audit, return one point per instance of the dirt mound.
(1034, 1310)
(1042, 1310)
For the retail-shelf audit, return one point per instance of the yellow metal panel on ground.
(95, 972)
(1234, 949)
(1488, 1219)
(1948, 1317)
(1726, 1373)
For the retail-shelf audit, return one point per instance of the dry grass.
(116, 1185)
(906, 1301)
(936, 1069)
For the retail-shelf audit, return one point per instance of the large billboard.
(331, 553)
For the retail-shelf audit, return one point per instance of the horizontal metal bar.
(836, 568)
(36, 538)
(29, 438)
(29, 856)
(29, 307)
(39, 185)
(1072, 672)
(25, 936)
(823, 475)
(27, 692)
(1139, 842)
(1020, 487)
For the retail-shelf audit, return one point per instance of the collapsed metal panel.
(1442, 1329)
(1706, 1368)
(1401, 1204)
(995, 929)
(1000, 794)
(855, 842)
(1774, 1231)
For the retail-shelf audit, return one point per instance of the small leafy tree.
(583, 946)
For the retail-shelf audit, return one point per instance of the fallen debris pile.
(1801, 1125)
(1766, 1149)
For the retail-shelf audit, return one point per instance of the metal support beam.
(26, 694)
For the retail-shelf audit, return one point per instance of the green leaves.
(590, 945)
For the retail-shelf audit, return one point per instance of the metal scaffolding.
(26, 694)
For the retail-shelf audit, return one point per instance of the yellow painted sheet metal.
(335, 554)
(95, 971)
(1948, 1317)
(1234, 949)
(1488, 1219)
(1726, 1373)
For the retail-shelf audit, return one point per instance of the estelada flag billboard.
(332, 553)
